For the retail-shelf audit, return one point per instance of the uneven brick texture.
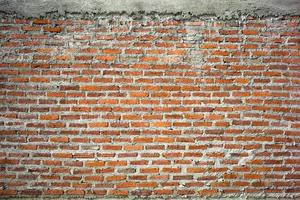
(157, 106)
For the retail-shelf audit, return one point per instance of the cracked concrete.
(224, 9)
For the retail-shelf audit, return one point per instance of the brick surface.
(154, 107)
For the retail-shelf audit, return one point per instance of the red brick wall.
(152, 106)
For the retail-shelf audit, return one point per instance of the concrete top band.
(218, 8)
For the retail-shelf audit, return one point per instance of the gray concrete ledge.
(224, 9)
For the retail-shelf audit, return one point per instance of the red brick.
(111, 51)
(59, 139)
(117, 163)
(98, 124)
(52, 29)
(49, 117)
(250, 32)
(126, 185)
(95, 163)
(41, 21)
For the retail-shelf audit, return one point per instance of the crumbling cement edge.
(221, 9)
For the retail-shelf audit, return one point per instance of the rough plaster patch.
(221, 8)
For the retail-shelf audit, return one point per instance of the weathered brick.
(152, 107)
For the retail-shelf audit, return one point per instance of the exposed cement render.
(224, 9)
